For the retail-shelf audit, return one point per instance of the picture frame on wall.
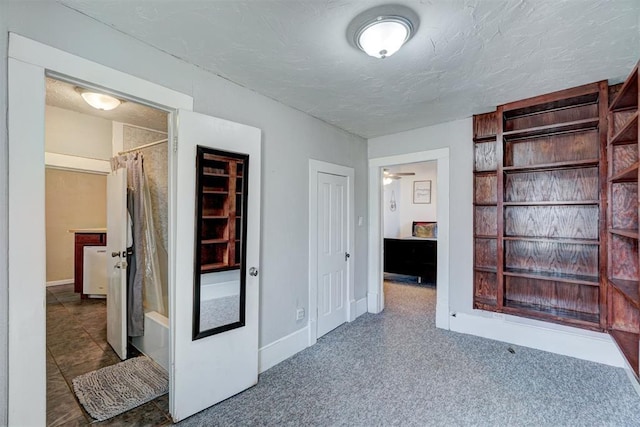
(421, 192)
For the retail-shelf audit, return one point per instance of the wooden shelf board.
(484, 204)
(484, 236)
(486, 269)
(214, 192)
(628, 288)
(553, 240)
(632, 234)
(553, 203)
(628, 134)
(574, 126)
(214, 217)
(221, 175)
(566, 98)
(485, 300)
(484, 138)
(629, 174)
(555, 277)
(553, 166)
(212, 266)
(551, 313)
(214, 241)
(485, 173)
(628, 95)
(628, 344)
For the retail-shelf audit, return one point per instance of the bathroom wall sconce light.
(99, 101)
(381, 31)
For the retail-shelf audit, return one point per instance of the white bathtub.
(155, 342)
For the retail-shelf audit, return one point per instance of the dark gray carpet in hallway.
(396, 368)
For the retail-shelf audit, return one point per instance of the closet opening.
(106, 211)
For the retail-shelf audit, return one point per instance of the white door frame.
(315, 167)
(375, 294)
(28, 62)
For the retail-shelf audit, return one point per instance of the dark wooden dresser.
(85, 237)
(412, 256)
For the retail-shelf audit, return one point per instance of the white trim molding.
(60, 282)
(315, 167)
(76, 164)
(272, 354)
(565, 340)
(361, 307)
(375, 295)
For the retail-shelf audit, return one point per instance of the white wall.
(399, 223)
(289, 139)
(392, 218)
(77, 134)
(409, 211)
(4, 220)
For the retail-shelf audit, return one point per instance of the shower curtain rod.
(151, 144)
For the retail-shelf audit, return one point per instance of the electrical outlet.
(300, 314)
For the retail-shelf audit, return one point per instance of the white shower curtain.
(144, 286)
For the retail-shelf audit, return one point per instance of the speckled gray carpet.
(396, 368)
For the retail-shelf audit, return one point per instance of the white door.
(333, 256)
(117, 262)
(211, 369)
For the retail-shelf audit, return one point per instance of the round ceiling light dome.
(384, 36)
(97, 100)
(383, 30)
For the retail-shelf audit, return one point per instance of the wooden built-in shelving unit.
(485, 129)
(623, 263)
(220, 205)
(556, 211)
(539, 207)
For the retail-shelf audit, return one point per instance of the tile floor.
(77, 344)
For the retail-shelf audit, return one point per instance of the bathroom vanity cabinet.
(84, 237)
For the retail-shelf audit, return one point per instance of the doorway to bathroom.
(103, 306)
(202, 372)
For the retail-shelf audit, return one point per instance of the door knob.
(253, 271)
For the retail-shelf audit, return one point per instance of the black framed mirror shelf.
(220, 241)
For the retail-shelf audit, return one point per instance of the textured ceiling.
(467, 57)
(63, 95)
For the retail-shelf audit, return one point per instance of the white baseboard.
(361, 306)
(373, 303)
(573, 342)
(272, 354)
(60, 282)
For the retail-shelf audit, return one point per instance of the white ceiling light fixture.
(380, 32)
(99, 101)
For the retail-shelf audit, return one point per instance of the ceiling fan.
(396, 175)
